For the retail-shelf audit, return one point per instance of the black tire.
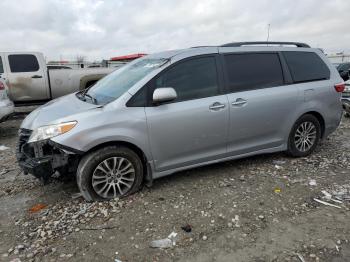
(90, 162)
(292, 143)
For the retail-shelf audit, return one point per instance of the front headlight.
(46, 132)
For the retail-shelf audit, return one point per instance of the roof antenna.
(268, 33)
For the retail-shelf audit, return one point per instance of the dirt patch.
(256, 209)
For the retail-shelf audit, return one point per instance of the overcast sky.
(105, 28)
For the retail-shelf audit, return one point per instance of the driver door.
(194, 127)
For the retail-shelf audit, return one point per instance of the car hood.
(51, 112)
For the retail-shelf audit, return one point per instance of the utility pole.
(268, 32)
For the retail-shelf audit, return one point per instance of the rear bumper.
(42, 159)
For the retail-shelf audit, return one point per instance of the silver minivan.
(182, 109)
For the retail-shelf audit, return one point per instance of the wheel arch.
(320, 119)
(146, 167)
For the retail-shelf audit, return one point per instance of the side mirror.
(164, 94)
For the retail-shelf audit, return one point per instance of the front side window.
(23, 63)
(1, 66)
(117, 83)
(250, 71)
(306, 66)
(191, 79)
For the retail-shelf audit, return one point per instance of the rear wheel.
(109, 172)
(304, 136)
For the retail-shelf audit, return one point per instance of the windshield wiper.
(83, 94)
(94, 100)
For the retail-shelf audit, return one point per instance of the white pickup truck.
(29, 80)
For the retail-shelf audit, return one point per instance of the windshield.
(117, 83)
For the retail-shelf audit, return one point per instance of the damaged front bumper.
(43, 158)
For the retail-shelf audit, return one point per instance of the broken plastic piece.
(166, 242)
(300, 257)
(326, 194)
(312, 182)
(277, 190)
(37, 208)
(2, 148)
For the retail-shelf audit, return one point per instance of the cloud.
(106, 28)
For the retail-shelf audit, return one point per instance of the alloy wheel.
(113, 177)
(305, 136)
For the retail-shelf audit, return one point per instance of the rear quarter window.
(23, 63)
(306, 66)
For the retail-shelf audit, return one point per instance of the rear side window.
(23, 63)
(191, 79)
(253, 71)
(1, 66)
(306, 66)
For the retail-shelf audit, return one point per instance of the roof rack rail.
(238, 44)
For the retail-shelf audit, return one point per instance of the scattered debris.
(187, 228)
(277, 190)
(261, 217)
(76, 195)
(37, 208)
(337, 248)
(300, 257)
(278, 167)
(2, 148)
(312, 182)
(278, 162)
(327, 195)
(204, 238)
(166, 242)
(326, 203)
(341, 192)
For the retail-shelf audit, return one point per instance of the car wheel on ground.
(109, 172)
(304, 136)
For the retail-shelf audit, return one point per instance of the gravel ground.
(256, 209)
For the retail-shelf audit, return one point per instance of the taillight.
(340, 87)
(2, 86)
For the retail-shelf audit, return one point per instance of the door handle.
(216, 106)
(239, 102)
(36, 76)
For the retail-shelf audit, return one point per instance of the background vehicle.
(6, 105)
(344, 70)
(57, 67)
(181, 109)
(30, 81)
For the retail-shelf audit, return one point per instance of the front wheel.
(110, 172)
(304, 136)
